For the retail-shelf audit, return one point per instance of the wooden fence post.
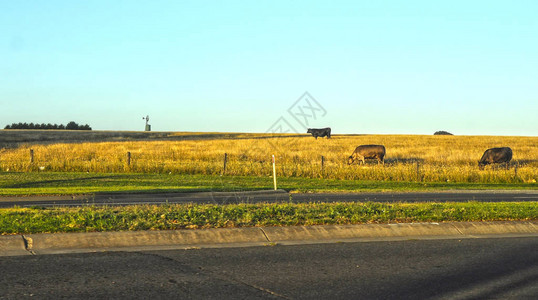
(322, 163)
(418, 172)
(225, 162)
(515, 171)
(128, 158)
(32, 156)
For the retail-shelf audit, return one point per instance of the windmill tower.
(148, 126)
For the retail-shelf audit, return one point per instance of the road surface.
(496, 268)
(266, 196)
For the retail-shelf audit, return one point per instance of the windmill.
(148, 126)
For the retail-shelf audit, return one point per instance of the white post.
(274, 172)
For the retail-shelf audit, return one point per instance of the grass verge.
(72, 183)
(168, 217)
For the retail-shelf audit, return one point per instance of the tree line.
(70, 126)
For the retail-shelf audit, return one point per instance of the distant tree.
(442, 132)
(48, 126)
(71, 126)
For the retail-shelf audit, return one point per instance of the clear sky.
(403, 67)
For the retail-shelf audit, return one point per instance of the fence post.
(418, 172)
(32, 156)
(225, 161)
(128, 158)
(322, 166)
(515, 171)
(274, 171)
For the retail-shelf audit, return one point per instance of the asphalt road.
(266, 196)
(505, 268)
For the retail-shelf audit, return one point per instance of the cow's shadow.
(512, 164)
(523, 162)
(407, 160)
(390, 161)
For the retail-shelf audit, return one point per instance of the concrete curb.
(47, 243)
(12, 245)
(400, 230)
(100, 241)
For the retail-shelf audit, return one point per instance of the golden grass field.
(408, 158)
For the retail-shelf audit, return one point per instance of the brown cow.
(495, 156)
(363, 152)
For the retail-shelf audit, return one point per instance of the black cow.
(495, 156)
(363, 152)
(320, 132)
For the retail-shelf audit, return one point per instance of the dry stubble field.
(409, 157)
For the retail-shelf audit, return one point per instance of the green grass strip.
(166, 217)
(70, 183)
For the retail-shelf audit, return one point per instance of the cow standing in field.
(320, 132)
(495, 156)
(363, 152)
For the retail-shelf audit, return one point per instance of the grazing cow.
(495, 156)
(363, 152)
(320, 132)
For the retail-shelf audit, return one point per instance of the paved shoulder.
(267, 196)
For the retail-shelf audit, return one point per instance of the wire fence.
(250, 164)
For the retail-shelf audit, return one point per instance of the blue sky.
(389, 67)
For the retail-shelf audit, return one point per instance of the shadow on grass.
(64, 181)
(524, 162)
(11, 139)
(407, 160)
